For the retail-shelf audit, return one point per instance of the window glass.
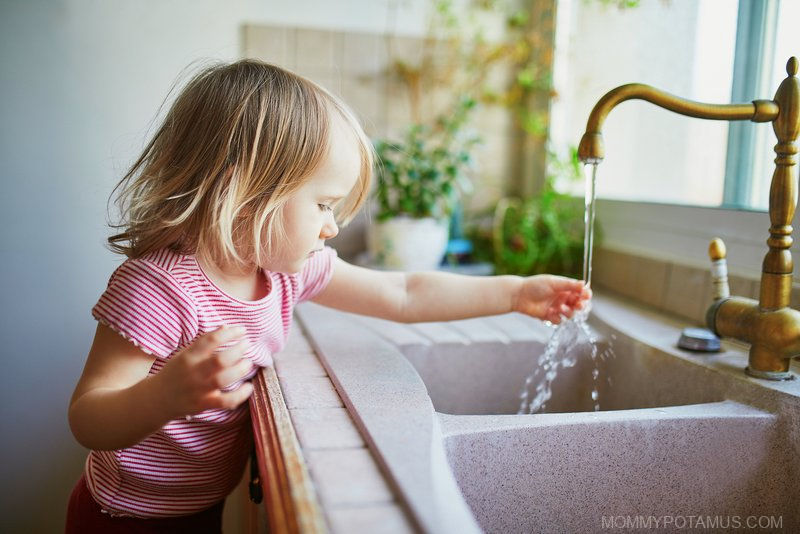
(685, 48)
(787, 44)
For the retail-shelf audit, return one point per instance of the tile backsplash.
(358, 67)
(669, 286)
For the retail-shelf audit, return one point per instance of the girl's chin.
(287, 267)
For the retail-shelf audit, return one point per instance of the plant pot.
(408, 244)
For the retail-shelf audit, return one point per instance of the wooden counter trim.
(289, 498)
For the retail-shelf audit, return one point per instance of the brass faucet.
(769, 325)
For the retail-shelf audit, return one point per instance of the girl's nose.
(329, 230)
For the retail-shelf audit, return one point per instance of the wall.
(80, 85)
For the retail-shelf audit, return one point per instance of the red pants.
(84, 517)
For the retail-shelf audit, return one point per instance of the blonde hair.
(237, 142)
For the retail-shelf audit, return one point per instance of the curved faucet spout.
(772, 328)
(591, 149)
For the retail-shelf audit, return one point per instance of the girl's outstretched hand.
(549, 297)
(198, 378)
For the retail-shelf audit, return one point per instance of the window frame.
(755, 41)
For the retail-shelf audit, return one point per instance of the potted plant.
(422, 177)
(538, 234)
(420, 181)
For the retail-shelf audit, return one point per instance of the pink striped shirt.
(161, 302)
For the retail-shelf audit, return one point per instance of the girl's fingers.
(232, 374)
(231, 355)
(567, 284)
(206, 344)
(229, 400)
(219, 361)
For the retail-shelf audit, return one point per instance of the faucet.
(770, 326)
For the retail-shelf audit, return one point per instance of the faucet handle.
(719, 269)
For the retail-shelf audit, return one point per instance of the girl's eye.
(324, 207)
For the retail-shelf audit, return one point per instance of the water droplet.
(569, 341)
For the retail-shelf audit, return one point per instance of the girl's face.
(308, 215)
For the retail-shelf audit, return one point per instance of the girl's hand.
(550, 297)
(193, 379)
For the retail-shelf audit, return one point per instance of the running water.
(568, 336)
(588, 221)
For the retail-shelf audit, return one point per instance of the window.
(715, 51)
(781, 42)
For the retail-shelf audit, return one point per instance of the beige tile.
(330, 80)
(318, 50)
(398, 107)
(489, 174)
(688, 292)
(374, 519)
(382, 129)
(367, 99)
(438, 101)
(325, 428)
(495, 119)
(297, 342)
(298, 364)
(498, 78)
(364, 54)
(269, 43)
(406, 49)
(743, 287)
(795, 300)
(347, 476)
(309, 392)
(612, 270)
(649, 280)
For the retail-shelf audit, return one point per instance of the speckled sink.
(485, 372)
(566, 473)
(678, 434)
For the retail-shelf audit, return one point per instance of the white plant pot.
(408, 244)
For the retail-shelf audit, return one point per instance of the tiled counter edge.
(376, 389)
(353, 492)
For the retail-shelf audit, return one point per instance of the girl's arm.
(438, 296)
(116, 404)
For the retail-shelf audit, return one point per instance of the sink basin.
(576, 474)
(679, 435)
(479, 367)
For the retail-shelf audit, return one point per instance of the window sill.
(682, 233)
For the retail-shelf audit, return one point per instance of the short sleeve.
(316, 274)
(148, 307)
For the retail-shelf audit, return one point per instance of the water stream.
(567, 338)
(589, 199)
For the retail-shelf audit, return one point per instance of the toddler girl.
(225, 217)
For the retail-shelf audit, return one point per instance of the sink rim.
(389, 403)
